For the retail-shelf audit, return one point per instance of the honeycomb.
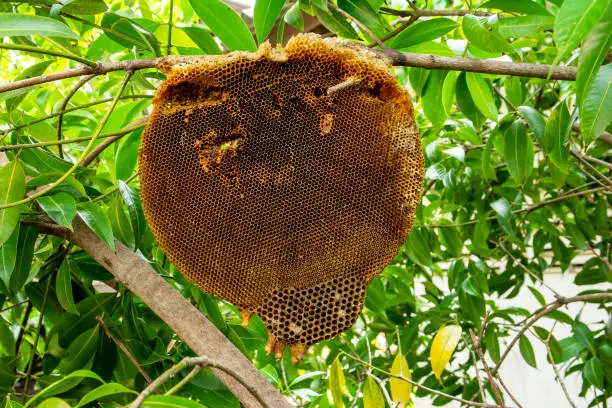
(283, 180)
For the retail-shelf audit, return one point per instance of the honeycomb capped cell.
(283, 180)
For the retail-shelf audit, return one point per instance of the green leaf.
(556, 137)
(336, 23)
(170, 401)
(596, 112)
(203, 38)
(418, 78)
(95, 218)
(452, 240)
(12, 188)
(518, 151)
(61, 207)
(514, 90)
(433, 96)
(53, 402)
(536, 122)
(502, 208)
(363, 12)
(225, 23)
(466, 103)
(63, 287)
(595, 47)
(137, 219)
(15, 25)
(81, 351)
(417, 247)
(372, 396)
(8, 257)
(593, 271)
(14, 98)
(442, 348)
(593, 373)
(85, 7)
(265, 15)
(400, 389)
(527, 351)
(524, 26)
(293, 17)
(25, 253)
(481, 92)
(574, 20)
(65, 384)
(337, 383)
(516, 6)
(483, 35)
(102, 391)
(585, 336)
(448, 91)
(422, 31)
(128, 33)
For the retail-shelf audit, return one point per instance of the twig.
(402, 26)
(512, 397)
(557, 304)
(477, 342)
(529, 271)
(190, 362)
(416, 384)
(434, 13)
(110, 140)
(598, 161)
(527, 209)
(590, 166)
(185, 380)
(475, 361)
(74, 90)
(22, 328)
(83, 155)
(169, 50)
(53, 53)
(605, 137)
(124, 349)
(14, 305)
(99, 69)
(558, 375)
(129, 128)
(359, 23)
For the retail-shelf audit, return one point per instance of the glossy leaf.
(293, 17)
(372, 395)
(225, 23)
(335, 22)
(363, 12)
(442, 348)
(502, 208)
(170, 401)
(25, 253)
(481, 92)
(518, 152)
(103, 391)
(12, 188)
(14, 25)
(53, 402)
(593, 373)
(203, 38)
(596, 113)
(400, 390)
(527, 351)
(134, 207)
(466, 103)
(574, 20)
(63, 288)
(432, 98)
(595, 47)
(556, 137)
(337, 382)
(535, 120)
(8, 257)
(61, 207)
(517, 6)
(64, 384)
(265, 15)
(95, 218)
(524, 26)
(448, 91)
(422, 31)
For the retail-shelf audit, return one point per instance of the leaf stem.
(37, 50)
(84, 154)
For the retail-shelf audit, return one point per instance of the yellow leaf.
(442, 348)
(337, 383)
(372, 395)
(400, 389)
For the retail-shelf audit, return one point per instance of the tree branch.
(74, 90)
(53, 53)
(182, 317)
(434, 13)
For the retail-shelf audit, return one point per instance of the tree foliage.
(517, 184)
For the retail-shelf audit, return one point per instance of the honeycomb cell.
(283, 180)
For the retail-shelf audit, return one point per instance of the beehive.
(283, 180)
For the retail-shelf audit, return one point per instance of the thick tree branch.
(182, 317)
(396, 58)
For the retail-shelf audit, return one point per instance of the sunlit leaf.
(265, 15)
(14, 24)
(400, 390)
(95, 218)
(337, 383)
(596, 113)
(61, 207)
(12, 188)
(422, 31)
(372, 395)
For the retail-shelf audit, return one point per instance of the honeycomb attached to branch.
(283, 180)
